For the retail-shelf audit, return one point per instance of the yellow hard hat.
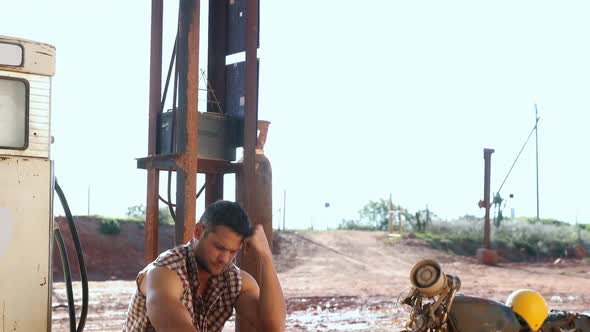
(530, 305)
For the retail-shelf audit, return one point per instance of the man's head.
(220, 232)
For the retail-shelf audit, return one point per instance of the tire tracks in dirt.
(347, 257)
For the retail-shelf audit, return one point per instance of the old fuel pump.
(26, 190)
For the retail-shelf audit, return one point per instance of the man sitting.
(196, 286)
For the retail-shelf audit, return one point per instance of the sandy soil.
(351, 281)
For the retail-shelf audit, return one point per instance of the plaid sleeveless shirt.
(209, 312)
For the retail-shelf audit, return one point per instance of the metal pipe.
(188, 119)
(153, 178)
(246, 190)
(537, 155)
(250, 193)
(250, 116)
(213, 188)
(190, 156)
(487, 156)
(246, 178)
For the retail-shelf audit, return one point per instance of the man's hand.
(258, 242)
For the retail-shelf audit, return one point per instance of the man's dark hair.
(228, 214)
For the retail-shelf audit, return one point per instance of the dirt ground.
(351, 281)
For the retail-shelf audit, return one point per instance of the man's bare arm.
(264, 306)
(163, 290)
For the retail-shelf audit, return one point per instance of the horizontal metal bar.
(206, 166)
(162, 162)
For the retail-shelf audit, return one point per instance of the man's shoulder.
(245, 275)
(172, 258)
(247, 281)
(159, 276)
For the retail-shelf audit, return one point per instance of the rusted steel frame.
(205, 166)
(213, 187)
(487, 156)
(187, 139)
(250, 116)
(153, 175)
(246, 190)
(158, 162)
(217, 52)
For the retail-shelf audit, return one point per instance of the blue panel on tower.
(236, 26)
(235, 99)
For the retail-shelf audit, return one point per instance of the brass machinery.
(437, 306)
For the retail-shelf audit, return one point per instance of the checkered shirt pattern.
(209, 312)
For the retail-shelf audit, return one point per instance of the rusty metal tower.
(186, 141)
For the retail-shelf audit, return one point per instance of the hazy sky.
(365, 100)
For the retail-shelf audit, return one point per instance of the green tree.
(375, 213)
(138, 212)
(164, 216)
(422, 219)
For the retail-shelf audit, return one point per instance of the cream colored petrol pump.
(26, 184)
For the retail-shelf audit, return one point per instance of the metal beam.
(153, 178)
(159, 162)
(246, 178)
(250, 116)
(487, 156)
(204, 166)
(187, 139)
(213, 188)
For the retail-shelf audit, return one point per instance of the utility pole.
(537, 155)
(487, 155)
(284, 207)
(486, 255)
(88, 204)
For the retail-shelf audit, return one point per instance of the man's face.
(216, 249)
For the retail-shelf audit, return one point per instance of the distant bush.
(462, 237)
(548, 239)
(356, 225)
(109, 227)
(137, 213)
(544, 221)
(164, 216)
(514, 238)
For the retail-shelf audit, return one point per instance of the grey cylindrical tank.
(481, 315)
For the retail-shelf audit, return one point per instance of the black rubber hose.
(65, 264)
(79, 254)
(172, 58)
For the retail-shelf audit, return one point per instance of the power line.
(519, 153)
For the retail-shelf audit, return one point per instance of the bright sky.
(391, 97)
